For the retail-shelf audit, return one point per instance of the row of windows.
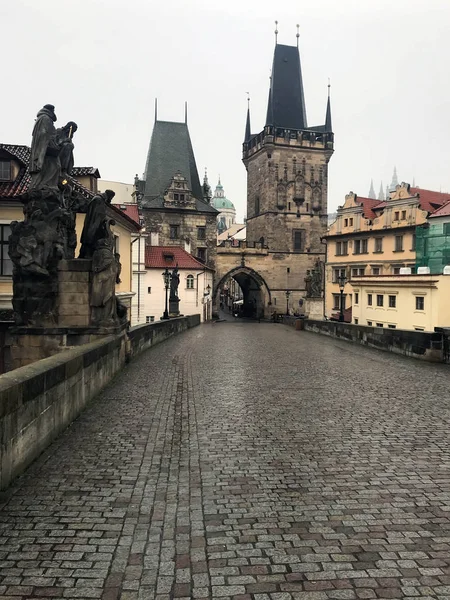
(390, 325)
(361, 246)
(174, 232)
(361, 271)
(349, 222)
(392, 301)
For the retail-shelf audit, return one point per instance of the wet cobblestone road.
(243, 461)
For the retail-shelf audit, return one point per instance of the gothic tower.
(287, 165)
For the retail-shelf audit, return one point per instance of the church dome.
(220, 201)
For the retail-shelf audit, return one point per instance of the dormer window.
(5, 170)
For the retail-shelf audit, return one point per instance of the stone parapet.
(38, 401)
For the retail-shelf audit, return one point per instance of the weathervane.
(298, 33)
(276, 32)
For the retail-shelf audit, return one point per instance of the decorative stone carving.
(314, 281)
(45, 166)
(95, 216)
(104, 276)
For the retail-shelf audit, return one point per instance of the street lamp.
(167, 276)
(288, 293)
(342, 280)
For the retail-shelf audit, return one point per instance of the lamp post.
(342, 280)
(166, 275)
(288, 293)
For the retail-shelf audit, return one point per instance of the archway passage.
(244, 292)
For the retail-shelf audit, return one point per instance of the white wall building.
(194, 290)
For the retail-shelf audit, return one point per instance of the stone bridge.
(241, 461)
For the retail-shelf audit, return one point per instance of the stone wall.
(40, 400)
(416, 344)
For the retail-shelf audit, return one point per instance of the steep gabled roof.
(428, 199)
(443, 211)
(368, 205)
(170, 151)
(14, 189)
(131, 210)
(157, 257)
(286, 105)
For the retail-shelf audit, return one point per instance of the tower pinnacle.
(372, 194)
(247, 124)
(328, 125)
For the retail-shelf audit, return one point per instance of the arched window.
(190, 282)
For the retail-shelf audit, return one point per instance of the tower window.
(298, 240)
(256, 205)
(201, 233)
(173, 233)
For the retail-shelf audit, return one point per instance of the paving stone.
(242, 461)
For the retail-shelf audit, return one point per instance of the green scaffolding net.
(433, 247)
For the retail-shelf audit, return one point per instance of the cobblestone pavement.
(244, 461)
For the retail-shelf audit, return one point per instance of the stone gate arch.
(256, 292)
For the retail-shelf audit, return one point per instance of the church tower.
(287, 165)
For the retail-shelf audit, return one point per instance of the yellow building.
(373, 238)
(414, 302)
(14, 181)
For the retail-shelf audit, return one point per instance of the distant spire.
(248, 134)
(156, 109)
(185, 112)
(381, 192)
(298, 33)
(276, 33)
(372, 194)
(328, 125)
(207, 194)
(394, 182)
(388, 196)
(414, 182)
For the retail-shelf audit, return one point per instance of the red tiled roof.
(157, 257)
(430, 200)
(136, 225)
(14, 189)
(443, 211)
(131, 210)
(368, 205)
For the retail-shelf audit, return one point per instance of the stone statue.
(308, 281)
(95, 216)
(119, 267)
(174, 283)
(45, 167)
(317, 280)
(64, 137)
(104, 274)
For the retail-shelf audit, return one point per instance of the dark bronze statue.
(45, 167)
(95, 215)
(174, 283)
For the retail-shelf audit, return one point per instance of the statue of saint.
(95, 215)
(174, 283)
(104, 274)
(64, 137)
(45, 167)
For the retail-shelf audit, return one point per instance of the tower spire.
(372, 194)
(185, 113)
(247, 124)
(156, 109)
(394, 182)
(328, 125)
(286, 106)
(298, 33)
(276, 33)
(381, 192)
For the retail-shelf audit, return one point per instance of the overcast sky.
(102, 63)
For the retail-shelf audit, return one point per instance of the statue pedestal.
(313, 308)
(174, 308)
(74, 321)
